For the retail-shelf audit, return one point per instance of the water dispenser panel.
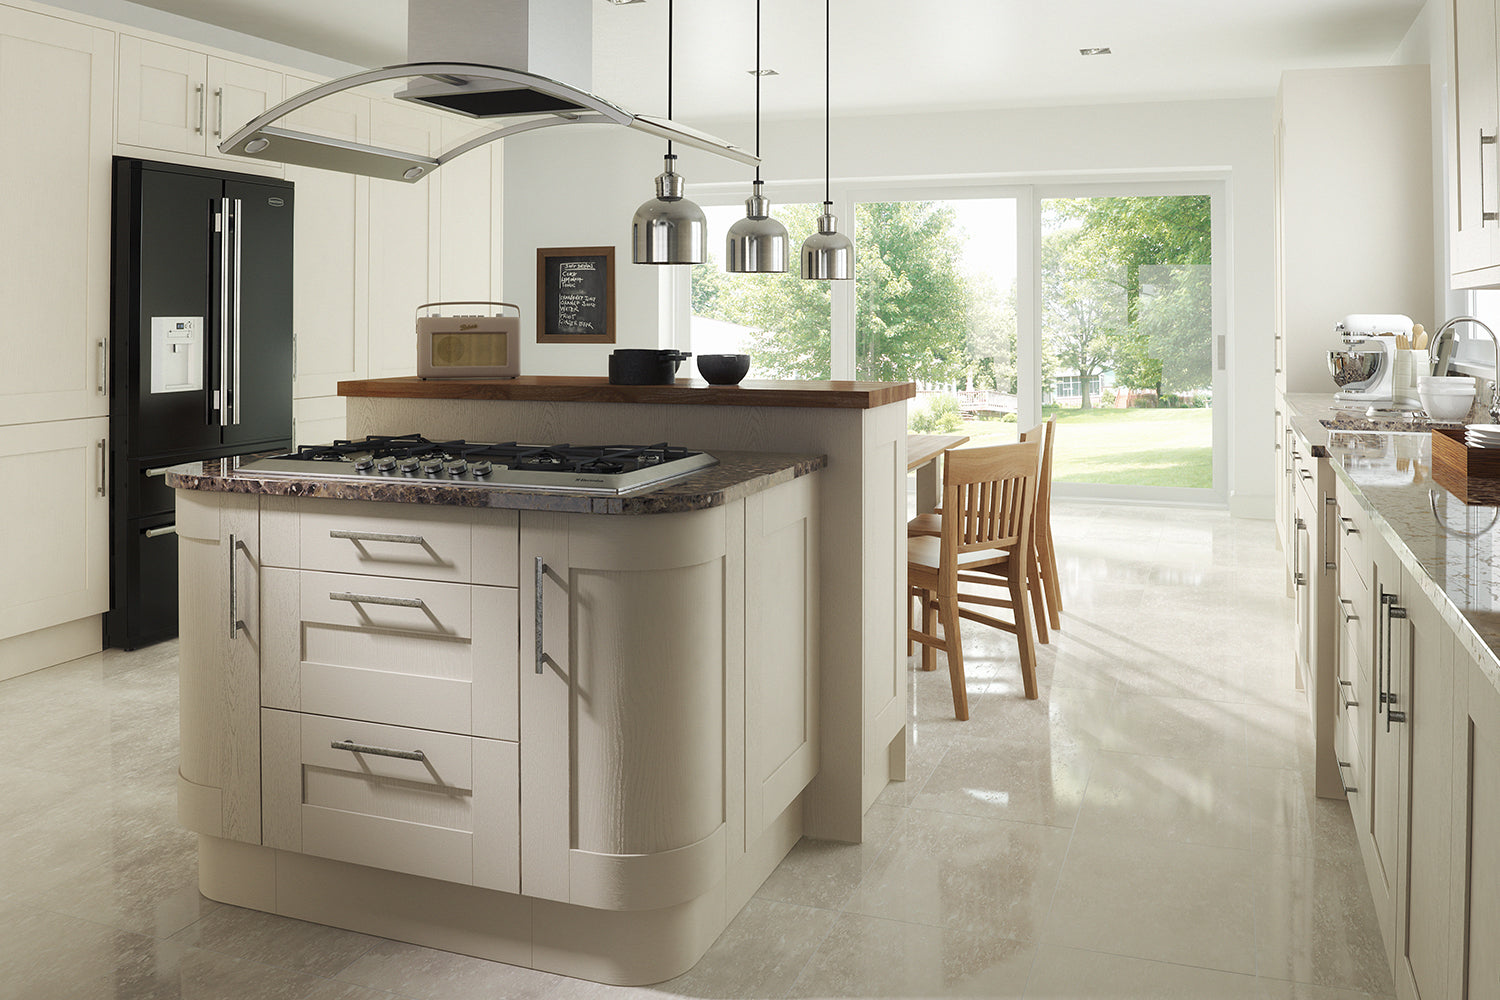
(176, 353)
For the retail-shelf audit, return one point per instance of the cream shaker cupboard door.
(1381, 811)
(54, 504)
(330, 247)
(1419, 709)
(55, 99)
(164, 98)
(237, 92)
(1476, 830)
(1475, 168)
(403, 224)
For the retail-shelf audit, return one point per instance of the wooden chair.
(988, 496)
(1046, 598)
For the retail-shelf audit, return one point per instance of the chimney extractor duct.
(482, 59)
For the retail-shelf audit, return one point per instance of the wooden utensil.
(1419, 337)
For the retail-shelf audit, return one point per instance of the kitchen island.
(507, 723)
(860, 426)
(1397, 574)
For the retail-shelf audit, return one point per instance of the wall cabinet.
(1473, 156)
(185, 101)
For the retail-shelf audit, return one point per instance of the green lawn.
(1137, 447)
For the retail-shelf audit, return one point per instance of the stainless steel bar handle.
(1343, 764)
(102, 352)
(1485, 215)
(1391, 714)
(1383, 649)
(102, 486)
(219, 98)
(1350, 685)
(1329, 564)
(354, 747)
(234, 617)
(202, 108)
(234, 399)
(1298, 577)
(221, 394)
(1344, 605)
(376, 536)
(394, 602)
(1347, 523)
(166, 529)
(541, 575)
(162, 471)
(1306, 473)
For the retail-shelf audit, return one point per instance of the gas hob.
(412, 458)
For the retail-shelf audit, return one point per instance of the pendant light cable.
(827, 100)
(670, 19)
(757, 91)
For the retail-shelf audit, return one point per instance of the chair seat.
(925, 552)
(925, 524)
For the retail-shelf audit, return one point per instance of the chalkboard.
(575, 292)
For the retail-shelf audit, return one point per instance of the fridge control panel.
(176, 354)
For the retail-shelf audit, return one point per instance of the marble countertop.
(738, 474)
(1452, 546)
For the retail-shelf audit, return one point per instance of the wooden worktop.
(577, 389)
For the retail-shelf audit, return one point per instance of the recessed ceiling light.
(1102, 50)
(764, 72)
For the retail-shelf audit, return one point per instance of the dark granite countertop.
(1451, 546)
(738, 474)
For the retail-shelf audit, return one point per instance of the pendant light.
(669, 229)
(756, 244)
(827, 253)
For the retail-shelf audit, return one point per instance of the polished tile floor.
(1147, 829)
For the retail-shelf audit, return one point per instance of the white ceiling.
(899, 55)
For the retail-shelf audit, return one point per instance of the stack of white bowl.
(1446, 397)
(1482, 435)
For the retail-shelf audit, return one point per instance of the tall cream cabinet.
(1353, 227)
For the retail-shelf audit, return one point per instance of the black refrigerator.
(201, 359)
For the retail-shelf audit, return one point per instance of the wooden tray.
(1471, 474)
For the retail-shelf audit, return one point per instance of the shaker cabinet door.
(164, 99)
(55, 91)
(237, 93)
(1474, 167)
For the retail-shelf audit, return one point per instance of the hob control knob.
(482, 468)
(386, 465)
(364, 464)
(410, 465)
(458, 468)
(433, 467)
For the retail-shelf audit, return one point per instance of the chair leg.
(1035, 585)
(1024, 636)
(1049, 576)
(910, 643)
(948, 609)
(929, 627)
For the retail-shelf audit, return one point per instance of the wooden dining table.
(922, 454)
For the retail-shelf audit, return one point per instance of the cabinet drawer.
(436, 656)
(1355, 616)
(407, 800)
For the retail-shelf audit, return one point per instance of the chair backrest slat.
(988, 496)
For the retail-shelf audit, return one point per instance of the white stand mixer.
(1363, 370)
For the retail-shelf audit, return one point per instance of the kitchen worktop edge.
(739, 474)
(1444, 561)
(684, 392)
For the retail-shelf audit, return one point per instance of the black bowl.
(723, 369)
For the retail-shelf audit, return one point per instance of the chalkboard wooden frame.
(547, 292)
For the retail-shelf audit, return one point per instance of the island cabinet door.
(623, 708)
(218, 567)
(781, 650)
(1475, 900)
(1379, 821)
(1419, 711)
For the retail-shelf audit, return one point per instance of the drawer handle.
(1343, 764)
(394, 602)
(377, 536)
(166, 529)
(541, 577)
(354, 747)
(1344, 605)
(1306, 473)
(1347, 523)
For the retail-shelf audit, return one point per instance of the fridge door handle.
(222, 391)
(234, 396)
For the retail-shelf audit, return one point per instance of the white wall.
(580, 185)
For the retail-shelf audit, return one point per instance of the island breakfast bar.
(859, 426)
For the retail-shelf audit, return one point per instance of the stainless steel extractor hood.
(498, 60)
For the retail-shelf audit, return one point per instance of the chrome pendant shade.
(756, 244)
(828, 254)
(669, 229)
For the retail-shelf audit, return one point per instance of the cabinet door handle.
(234, 398)
(1343, 764)
(235, 624)
(161, 471)
(101, 383)
(101, 487)
(541, 576)
(394, 602)
(376, 536)
(1306, 473)
(221, 393)
(166, 529)
(202, 108)
(1347, 523)
(1344, 605)
(219, 99)
(354, 747)
(1298, 577)
(1485, 215)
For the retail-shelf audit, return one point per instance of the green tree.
(1083, 306)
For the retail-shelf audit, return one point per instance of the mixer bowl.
(1355, 369)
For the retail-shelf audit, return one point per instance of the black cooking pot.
(633, 366)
